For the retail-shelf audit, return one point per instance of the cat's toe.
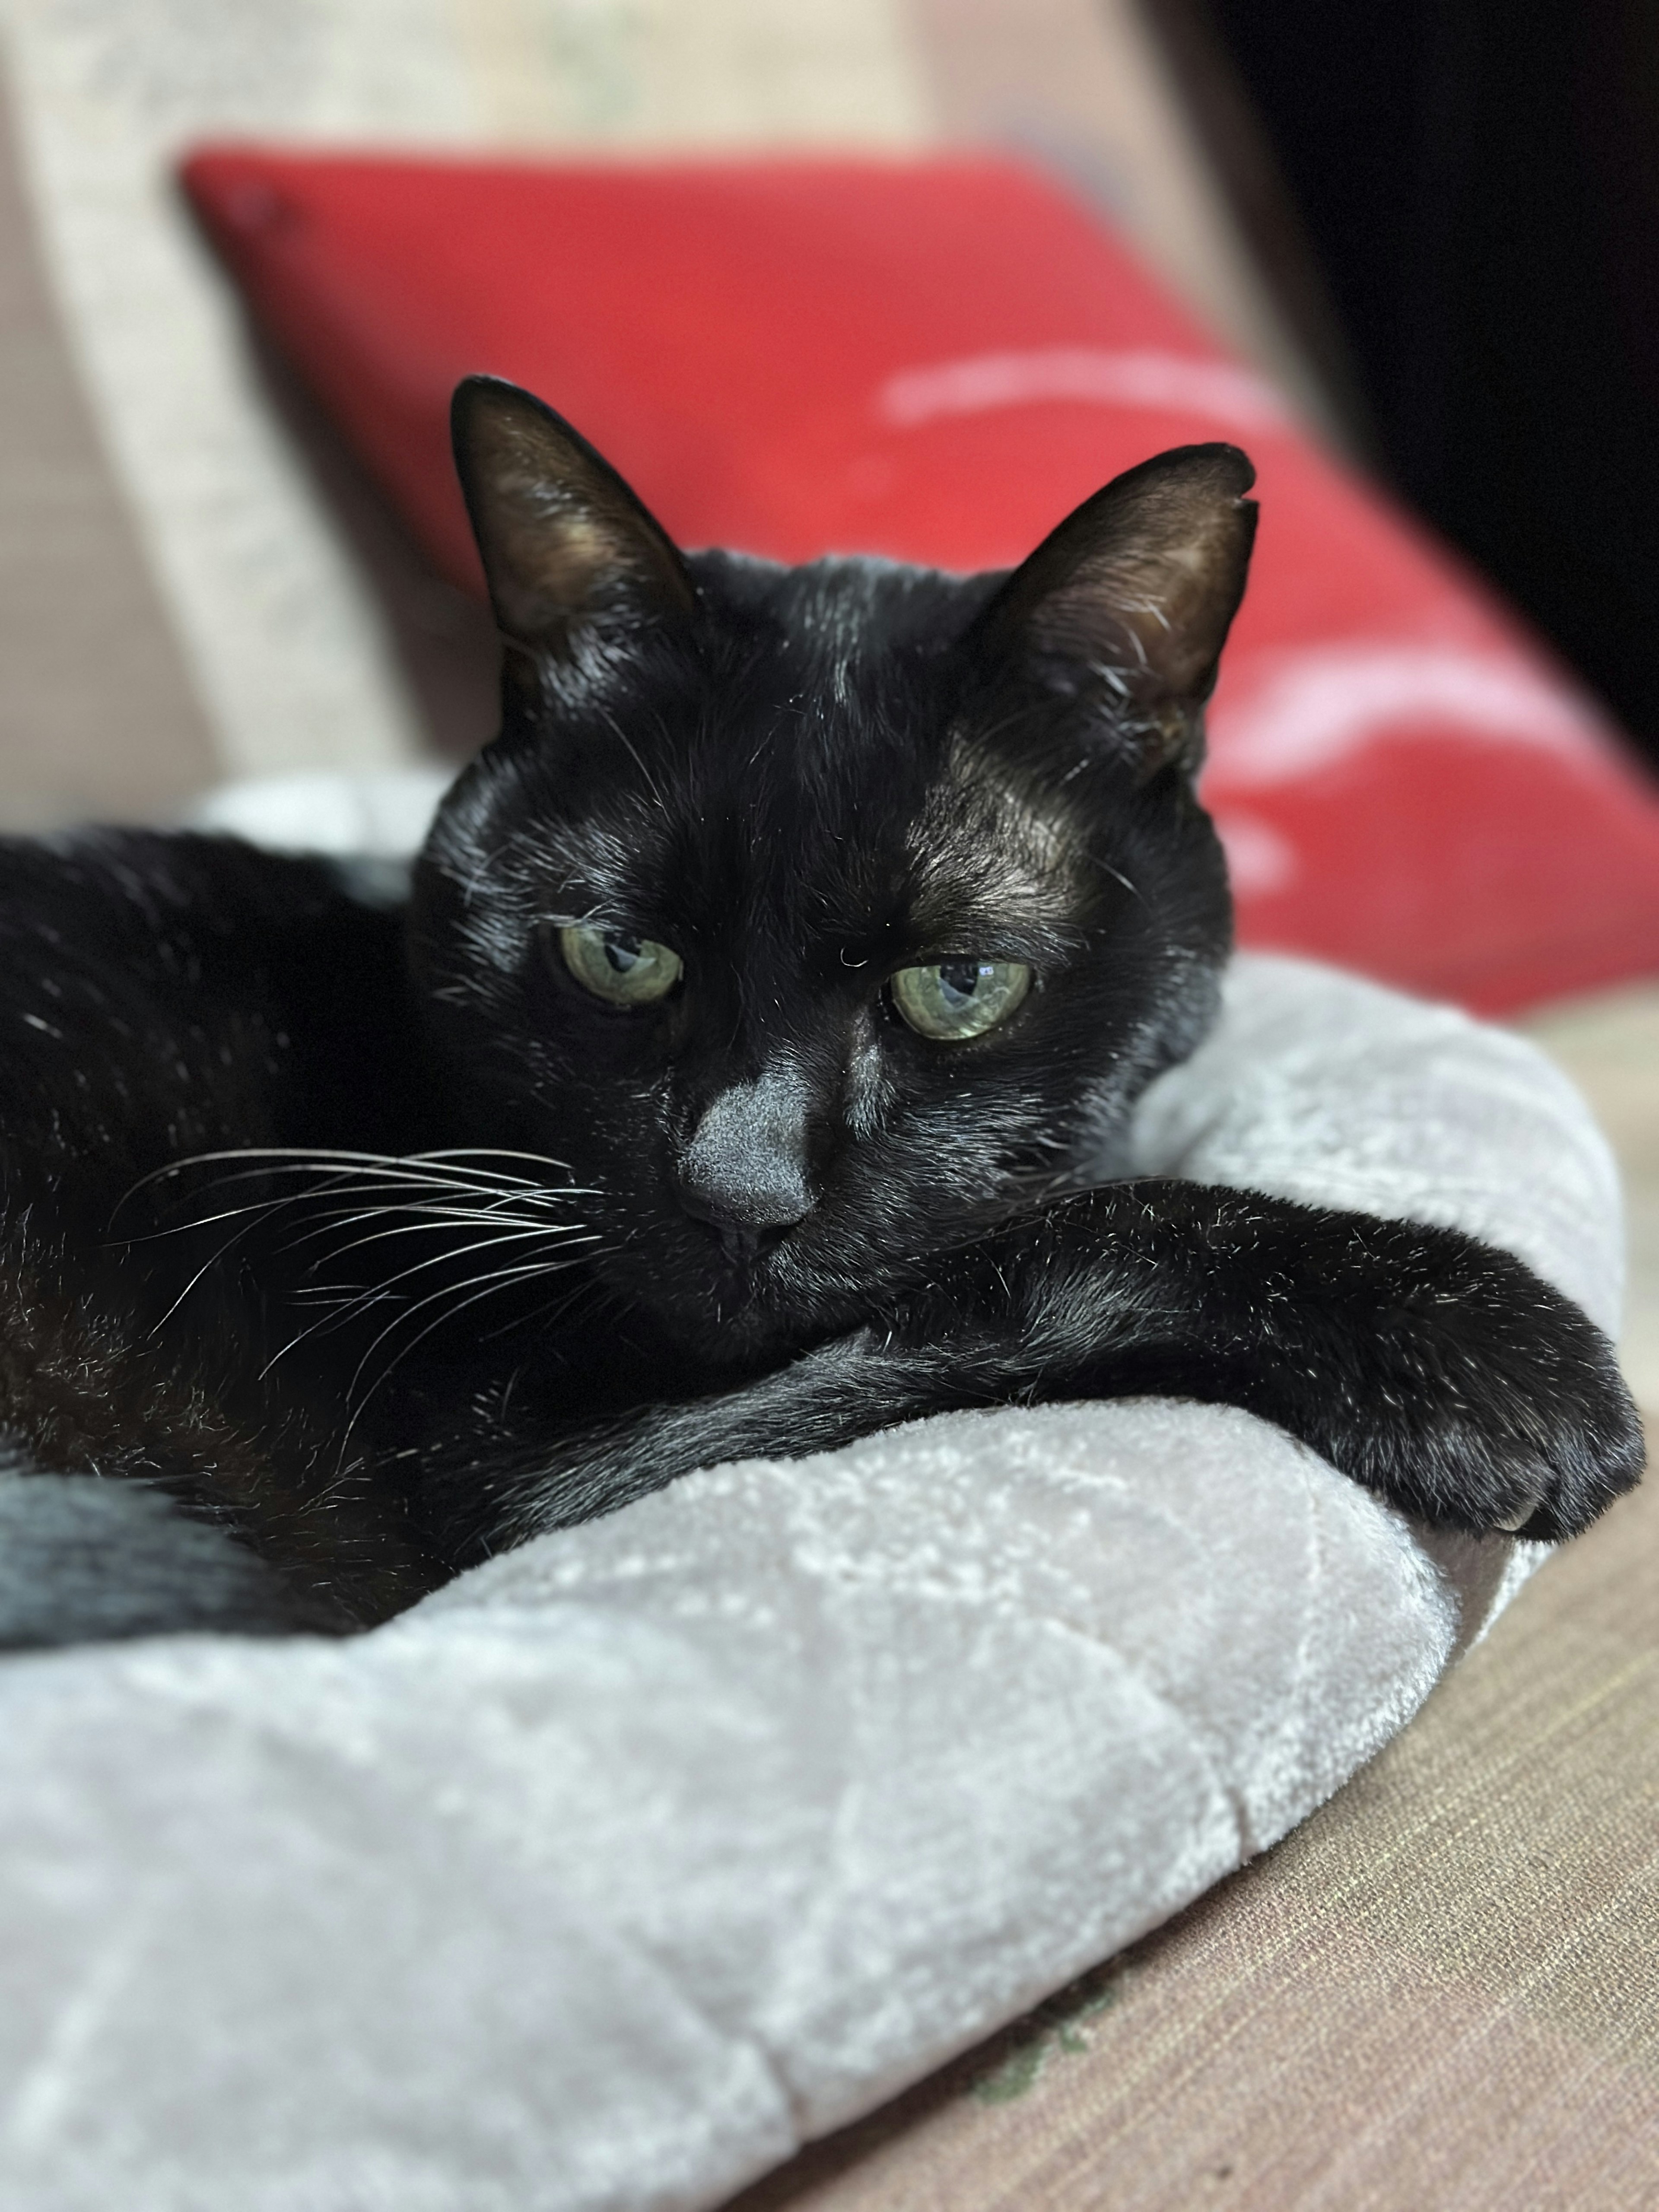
(1508, 1413)
(1549, 1461)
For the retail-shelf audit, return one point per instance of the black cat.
(749, 1070)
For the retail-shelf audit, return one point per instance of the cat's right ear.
(570, 553)
(1131, 598)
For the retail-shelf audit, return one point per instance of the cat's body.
(750, 1070)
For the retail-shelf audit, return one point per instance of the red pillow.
(937, 360)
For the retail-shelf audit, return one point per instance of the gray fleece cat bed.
(619, 1868)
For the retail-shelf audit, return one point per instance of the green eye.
(625, 971)
(960, 998)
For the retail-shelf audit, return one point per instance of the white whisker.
(493, 1280)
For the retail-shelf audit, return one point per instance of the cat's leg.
(1441, 1374)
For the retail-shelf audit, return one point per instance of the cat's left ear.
(568, 551)
(1132, 596)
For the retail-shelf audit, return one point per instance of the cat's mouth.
(742, 1250)
(739, 1277)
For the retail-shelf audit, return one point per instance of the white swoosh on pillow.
(1260, 859)
(1093, 373)
(1335, 701)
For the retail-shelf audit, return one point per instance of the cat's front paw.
(1504, 1409)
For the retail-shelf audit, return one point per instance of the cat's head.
(818, 916)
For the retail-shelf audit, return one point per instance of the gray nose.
(745, 1166)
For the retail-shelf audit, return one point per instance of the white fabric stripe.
(1095, 375)
(1282, 715)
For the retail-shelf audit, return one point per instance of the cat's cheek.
(589, 1041)
(872, 1092)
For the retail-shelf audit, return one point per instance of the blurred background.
(1437, 238)
(178, 532)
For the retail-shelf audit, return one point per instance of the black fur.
(489, 1255)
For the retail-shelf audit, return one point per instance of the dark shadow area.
(998, 2071)
(1479, 193)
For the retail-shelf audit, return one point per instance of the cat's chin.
(738, 1317)
(737, 1324)
(743, 1342)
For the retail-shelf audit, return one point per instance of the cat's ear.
(568, 550)
(1132, 595)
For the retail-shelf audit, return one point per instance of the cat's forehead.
(748, 840)
(865, 648)
(818, 775)
(834, 627)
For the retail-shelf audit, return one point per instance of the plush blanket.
(631, 1860)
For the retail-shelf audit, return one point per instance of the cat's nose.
(745, 1172)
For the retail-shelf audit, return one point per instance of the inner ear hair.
(568, 548)
(1135, 591)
